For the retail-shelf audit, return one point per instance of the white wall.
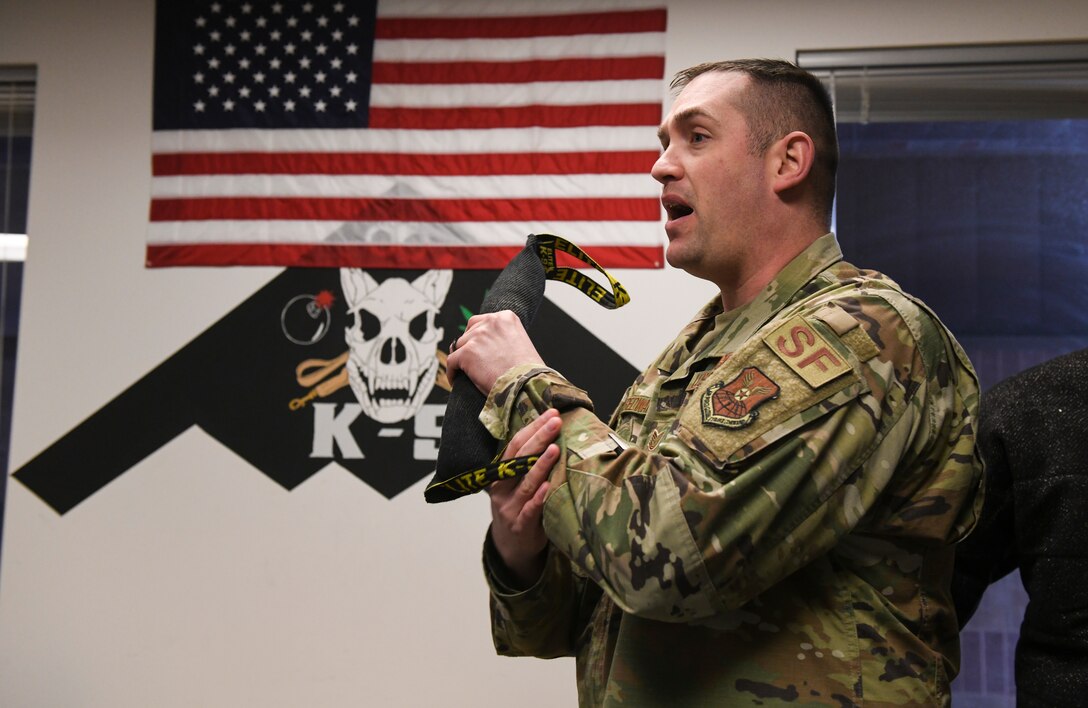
(195, 580)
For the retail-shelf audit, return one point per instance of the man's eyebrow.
(684, 116)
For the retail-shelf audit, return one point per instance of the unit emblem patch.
(733, 404)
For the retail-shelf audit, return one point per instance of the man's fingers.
(525, 487)
(451, 366)
(543, 437)
(530, 484)
(533, 509)
(519, 444)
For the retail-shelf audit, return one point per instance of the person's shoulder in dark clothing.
(1033, 437)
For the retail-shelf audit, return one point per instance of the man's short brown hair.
(781, 98)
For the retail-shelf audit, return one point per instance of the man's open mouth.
(676, 209)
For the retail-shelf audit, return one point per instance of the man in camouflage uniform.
(769, 517)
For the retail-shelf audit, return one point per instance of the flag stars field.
(244, 50)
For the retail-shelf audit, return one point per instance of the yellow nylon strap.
(474, 480)
(548, 244)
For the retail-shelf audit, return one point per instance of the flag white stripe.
(581, 46)
(584, 233)
(411, 187)
(505, 8)
(504, 140)
(541, 93)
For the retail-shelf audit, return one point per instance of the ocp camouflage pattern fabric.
(769, 517)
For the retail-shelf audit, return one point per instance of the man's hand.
(491, 345)
(517, 506)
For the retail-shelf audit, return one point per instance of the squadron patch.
(733, 404)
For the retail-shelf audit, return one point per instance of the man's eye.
(698, 137)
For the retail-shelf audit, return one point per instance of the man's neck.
(749, 285)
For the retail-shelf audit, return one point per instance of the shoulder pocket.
(795, 373)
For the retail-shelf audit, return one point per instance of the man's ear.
(792, 160)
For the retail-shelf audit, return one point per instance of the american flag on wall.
(404, 134)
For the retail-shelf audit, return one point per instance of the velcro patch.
(803, 349)
(635, 404)
(860, 344)
(836, 318)
(849, 331)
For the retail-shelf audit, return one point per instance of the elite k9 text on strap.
(467, 452)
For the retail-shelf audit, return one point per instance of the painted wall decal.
(318, 366)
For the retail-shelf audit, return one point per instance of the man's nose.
(666, 168)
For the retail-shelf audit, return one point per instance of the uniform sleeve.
(990, 552)
(809, 431)
(544, 620)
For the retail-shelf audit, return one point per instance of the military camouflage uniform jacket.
(769, 519)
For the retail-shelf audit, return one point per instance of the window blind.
(951, 83)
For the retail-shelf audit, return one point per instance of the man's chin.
(677, 256)
(688, 262)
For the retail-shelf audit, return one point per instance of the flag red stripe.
(501, 72)
(621, 22)
(387, 209)
(378, 256)
(472, 118)
(361, 163)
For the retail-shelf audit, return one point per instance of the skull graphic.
(393, 340)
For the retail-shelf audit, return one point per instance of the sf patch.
(805, 351)
(733, 404)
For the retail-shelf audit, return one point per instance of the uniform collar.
(738, 325)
